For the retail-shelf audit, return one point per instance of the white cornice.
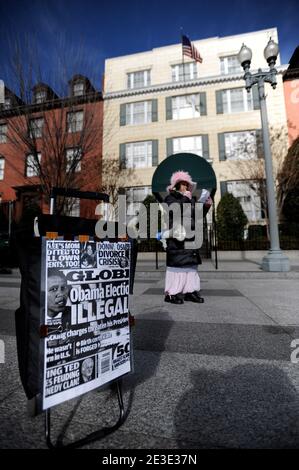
(198, 82)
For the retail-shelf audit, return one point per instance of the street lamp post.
(2, 92)
(274, 260)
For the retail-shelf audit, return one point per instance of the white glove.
(204, 196)
(179, 232)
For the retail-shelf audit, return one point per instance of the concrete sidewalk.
(246, 268)
(212, 375)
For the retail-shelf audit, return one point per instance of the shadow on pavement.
(252, 406)
(147, 335)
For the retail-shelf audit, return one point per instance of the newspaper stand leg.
(101, 433)
(94, 436)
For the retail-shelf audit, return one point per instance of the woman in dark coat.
(182, 281)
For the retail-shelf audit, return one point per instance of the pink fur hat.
(179, 176)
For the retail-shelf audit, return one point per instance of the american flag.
(190, 50)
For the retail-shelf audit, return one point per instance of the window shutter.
(168, 108)
(155, 156)
(203, 103)
(221, 146)
(259, 143)
(205, 146)
(255, 97)
(223, 188)
(122, 155)
(169, 147)
(122, 115)
(154, 110)
(219, 102)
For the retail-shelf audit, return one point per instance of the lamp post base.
(275, 260)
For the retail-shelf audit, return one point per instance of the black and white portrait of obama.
(58, 312)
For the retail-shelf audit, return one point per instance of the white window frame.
(31, 168)
(245, 94)
(252, 207)
(7, 103)
(2, 167)
(179, 70)
(131, 112)
(224, 65)
(40, 96)
(70, 152)
(134, 160)
(3, 133)
(178, 144)
(78, 89)
(229, 142)
(132, 82)
(36, 128)
(178, 110)
(75, 121)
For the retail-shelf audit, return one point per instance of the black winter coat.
(176, 255)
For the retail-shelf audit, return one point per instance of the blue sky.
(112, 28)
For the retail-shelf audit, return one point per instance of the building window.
(240, 145)
(139, 154)
(32, 168)
(186, 106)
(139, 113)
(73, 160)
(236, 100)
(247, 193)
(134, 197)
(196, 144)
(40, 96)
(181, 72)
(139, 79)
(2, 166)
(3, 132)
(7, 103)
(192, 144)
(72, 207)
(36, 128)
(75, 121)
(78, 89)
(230, 65)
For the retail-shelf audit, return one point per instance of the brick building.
(59, 138)
(291, 93)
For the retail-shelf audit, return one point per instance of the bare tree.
(56, 136)
(115, 178)
(252, 170)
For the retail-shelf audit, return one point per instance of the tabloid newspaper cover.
(85, 306)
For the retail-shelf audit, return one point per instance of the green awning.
(200, 170)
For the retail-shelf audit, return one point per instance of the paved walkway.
(213, 375)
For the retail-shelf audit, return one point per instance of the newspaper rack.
(94, 436)
(29, 331)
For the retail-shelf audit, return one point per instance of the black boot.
(173, 299)
(197, 293)
(194, 297)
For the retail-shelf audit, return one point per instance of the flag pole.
(182, 56)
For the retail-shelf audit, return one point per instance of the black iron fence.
(286, 243)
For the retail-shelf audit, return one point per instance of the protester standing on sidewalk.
(182, 281)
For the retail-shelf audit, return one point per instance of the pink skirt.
(181, 281)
